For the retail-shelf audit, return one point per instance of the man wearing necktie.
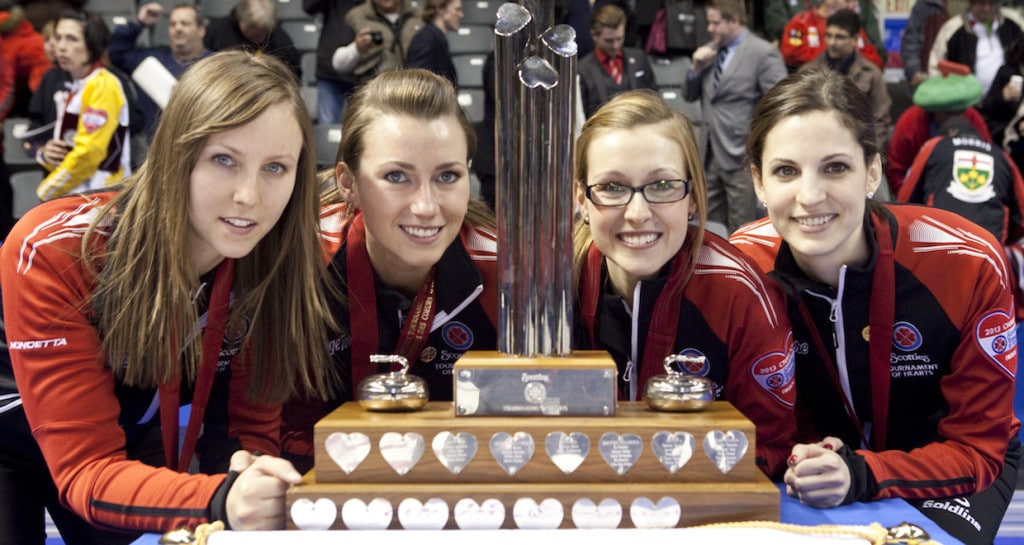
(611, 69)
(729, 75)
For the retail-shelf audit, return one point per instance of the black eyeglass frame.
(639, 189)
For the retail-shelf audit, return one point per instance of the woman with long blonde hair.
(199, 281)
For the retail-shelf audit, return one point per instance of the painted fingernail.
(792, 460)
(829, 446)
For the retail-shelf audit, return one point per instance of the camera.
(377, 36)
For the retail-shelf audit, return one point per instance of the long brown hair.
(146, 280)
(629, 110)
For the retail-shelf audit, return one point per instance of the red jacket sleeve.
(797, 45)
(67, 388)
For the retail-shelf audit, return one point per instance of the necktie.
(719, 66)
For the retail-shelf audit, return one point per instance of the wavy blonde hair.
(146, 280)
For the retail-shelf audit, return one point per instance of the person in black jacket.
(332, 87)
(429, 47)
(252, 25)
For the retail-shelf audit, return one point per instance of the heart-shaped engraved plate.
(645, 514)
(454, 450)
(469, 515)
(567, 450)
(348, 450)
(605, 515)
(432, 515)
(310, 515)
(512, 452)
(401, 452)
(359, 516)
(673, 450)
(620, 452)
(725, 449)
(529, 515)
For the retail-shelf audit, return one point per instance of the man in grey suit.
(730, 75)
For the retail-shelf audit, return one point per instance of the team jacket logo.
(776, 373)
(906, 337)
(972, 177)
(457, 335)
(697, 367)
(92, 119)
(36, 345)
(996, 334)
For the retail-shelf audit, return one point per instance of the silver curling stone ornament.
(395, 391)
(679, 392)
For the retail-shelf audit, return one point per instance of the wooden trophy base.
(433, 469)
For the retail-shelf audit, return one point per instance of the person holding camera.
(384, 30)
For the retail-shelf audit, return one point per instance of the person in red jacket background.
(803, 39)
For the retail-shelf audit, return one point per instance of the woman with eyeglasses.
(652, 282)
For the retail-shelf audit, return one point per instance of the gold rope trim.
(874, 533)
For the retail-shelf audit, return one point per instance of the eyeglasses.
(659, 192)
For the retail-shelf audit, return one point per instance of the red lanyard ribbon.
(362, 301)
(170, 393)
(880, 327)
(661, 334)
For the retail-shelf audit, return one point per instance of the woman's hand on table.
(817, 475)
(256, 500)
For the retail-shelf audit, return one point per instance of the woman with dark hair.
(654, 282)
(415, 266)
(905, 387)
(199, 281)
(90, 144)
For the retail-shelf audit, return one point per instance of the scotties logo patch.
(697, 366)
(906, 337)
(776, 373)
(92, 119)
(996, 335)
(457, 335)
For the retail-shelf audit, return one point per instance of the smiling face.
(815, 193)
(413, 189)
(637, 239)
(240, 186)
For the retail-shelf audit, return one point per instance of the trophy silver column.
(536, 101)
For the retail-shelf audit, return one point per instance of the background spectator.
(89, 147)
(978, 39)
(252, 25)
(803, 37)
(729, 78)
(1004, 96)
(332, 87)
(611, 68)
(25, 52)
(384, 30)
(926, 18)
(960, 172)
(186, 29)
(935, 101)
(429, 47)
(841, 55)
